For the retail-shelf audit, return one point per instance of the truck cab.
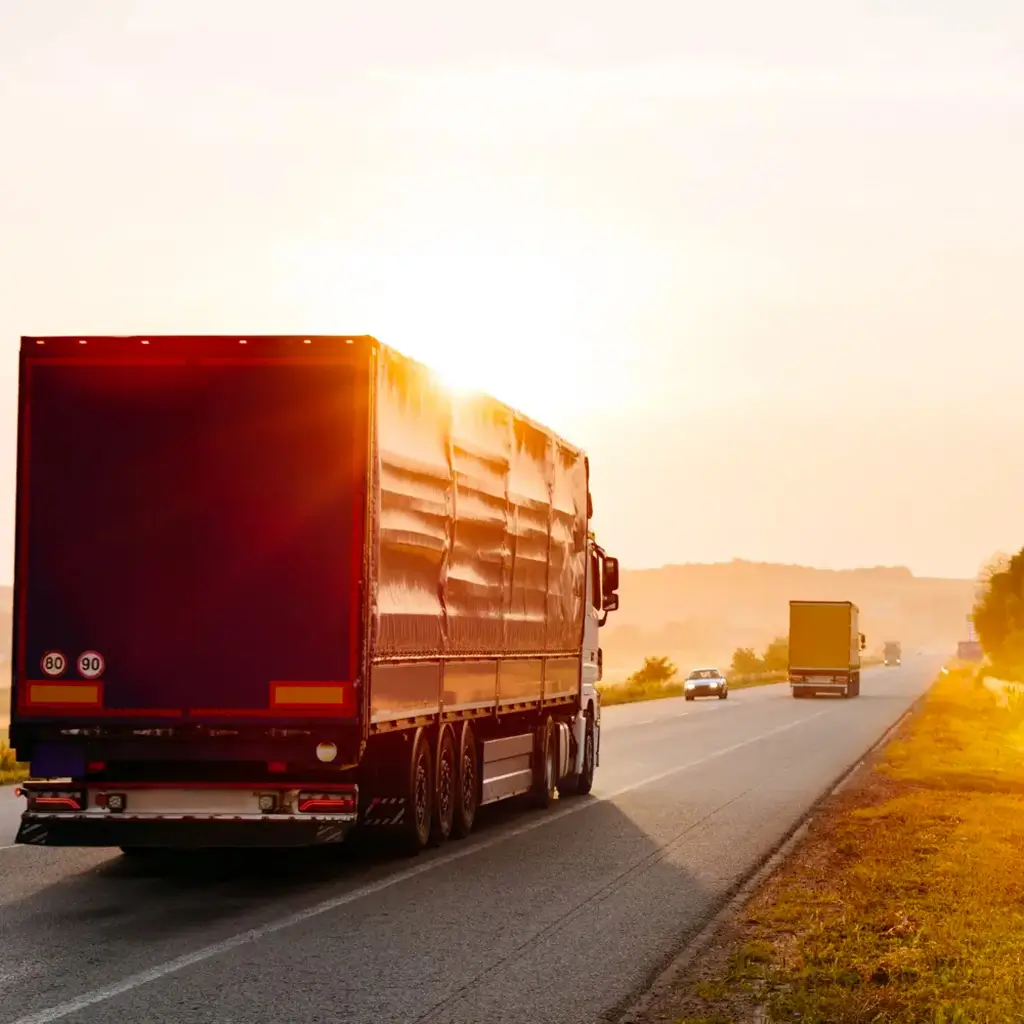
(892, 653)
(602, 599)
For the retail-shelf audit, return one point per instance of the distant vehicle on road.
(969, 650)
(892, 653)
(824, 648)
(706, 682)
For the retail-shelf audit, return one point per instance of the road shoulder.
(897, 903)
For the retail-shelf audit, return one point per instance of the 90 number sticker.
(91, 665)
(53, 664)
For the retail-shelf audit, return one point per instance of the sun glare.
(525, 316)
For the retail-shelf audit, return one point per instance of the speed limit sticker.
(91, 665)
(53, 664)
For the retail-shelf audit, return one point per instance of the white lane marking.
(651, 721)
(134, 981)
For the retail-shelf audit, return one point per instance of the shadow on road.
(566, 885)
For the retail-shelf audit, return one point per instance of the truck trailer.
(824, 648)
(268, 589)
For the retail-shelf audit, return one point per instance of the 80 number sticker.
(91, 665)
(53, 664)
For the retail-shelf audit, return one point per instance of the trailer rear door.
(190, 527)
(819, 635)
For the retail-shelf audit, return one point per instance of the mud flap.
(384, 812)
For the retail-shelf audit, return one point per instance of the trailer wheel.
(545, 772)
(420, 794)
(445, 789)
(467, 786)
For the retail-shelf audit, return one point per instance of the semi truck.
(892, 652)
(825, 645)
(270, 589)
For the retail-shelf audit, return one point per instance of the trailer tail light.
(277, 767)
(95, 767)
(56, 800)
(327, 803)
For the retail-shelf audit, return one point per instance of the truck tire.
(585, 779)
(545, 774)
(467, 791)
(580, 784)
(445, 788)
(419, 794)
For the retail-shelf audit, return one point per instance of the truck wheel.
(545, 772)
(420, 795)
(467, 792)
(586, 777)
(445, 788)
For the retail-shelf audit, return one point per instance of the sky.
(760, 260)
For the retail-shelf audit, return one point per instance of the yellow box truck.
(824, 648)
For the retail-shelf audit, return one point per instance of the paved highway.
(556, 916)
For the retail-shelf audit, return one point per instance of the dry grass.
(906, 901)
(10, 769)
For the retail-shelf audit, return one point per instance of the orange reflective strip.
(307, 694)
(78, 694)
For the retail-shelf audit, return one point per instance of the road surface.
(557, 916)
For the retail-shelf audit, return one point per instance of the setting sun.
(504, 308)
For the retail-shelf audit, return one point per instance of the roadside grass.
(10, 770)
(905, 903)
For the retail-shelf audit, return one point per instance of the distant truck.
(970, 650)
(825, 644)
(271, 588)
(892, 653)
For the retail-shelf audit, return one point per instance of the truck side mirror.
(863, 641)
(610, 578)
(611, 602)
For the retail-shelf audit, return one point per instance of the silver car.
(706, 682)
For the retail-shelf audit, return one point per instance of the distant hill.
(702, 613)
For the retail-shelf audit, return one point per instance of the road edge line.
(742, 892)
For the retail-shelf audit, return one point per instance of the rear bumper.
(177, 816)
(824, 682)
(169, 833)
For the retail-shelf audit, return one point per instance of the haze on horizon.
(760, 260)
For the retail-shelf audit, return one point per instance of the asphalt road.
(558, 916)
